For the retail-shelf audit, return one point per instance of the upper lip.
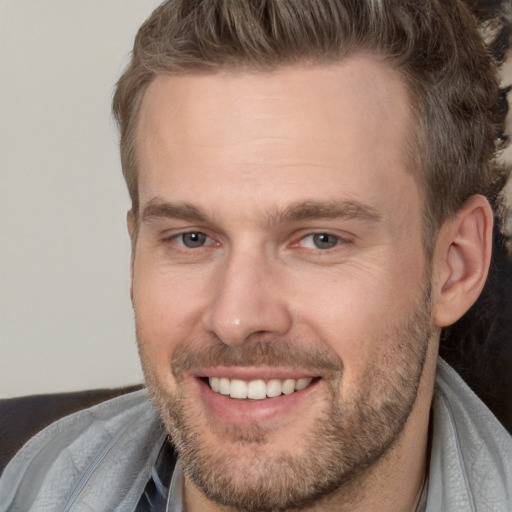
(254, 373)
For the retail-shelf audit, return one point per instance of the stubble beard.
(344, 443)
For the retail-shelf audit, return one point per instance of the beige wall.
(65, 316)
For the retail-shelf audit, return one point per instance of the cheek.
(167, 310)
(359, 311)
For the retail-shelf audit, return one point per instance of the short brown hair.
(434, 44)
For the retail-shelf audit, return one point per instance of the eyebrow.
(343, 209)
(299, 211)
(157, 208)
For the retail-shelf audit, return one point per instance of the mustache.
(189, 357)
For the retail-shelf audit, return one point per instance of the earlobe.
(461, 260)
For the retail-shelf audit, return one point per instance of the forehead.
(282, 134)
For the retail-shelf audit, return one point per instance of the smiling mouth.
(258, 389)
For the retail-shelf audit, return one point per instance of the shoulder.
(471, 456)
(109, 447)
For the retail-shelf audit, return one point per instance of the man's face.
(278, 248)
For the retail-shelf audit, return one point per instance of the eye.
(193, 240)
(320, 241)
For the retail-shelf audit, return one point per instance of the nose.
(249, 299)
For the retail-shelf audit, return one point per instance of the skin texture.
(257, 164)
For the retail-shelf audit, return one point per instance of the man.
(310, 186)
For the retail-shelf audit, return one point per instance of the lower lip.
(229, 411)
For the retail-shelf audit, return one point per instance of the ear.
(461, 260)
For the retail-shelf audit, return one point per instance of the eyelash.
(338, 240)
(178, 239)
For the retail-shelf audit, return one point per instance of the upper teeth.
(257, 389)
